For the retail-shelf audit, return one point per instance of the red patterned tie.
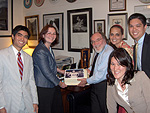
(20, 64)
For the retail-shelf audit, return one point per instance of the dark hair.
(44, 31)
(19, 28)
(118, 26)
(124, 59)
(139, 16)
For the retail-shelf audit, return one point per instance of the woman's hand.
(60, 71)
(62, 84)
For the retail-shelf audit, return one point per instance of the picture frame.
(85, 58)
(117, 5)
(32, 23)
(79, 29)
(6, 18)
(120, 19)
(71, 76)
(56, 19)
(99, 25)
(144, 9)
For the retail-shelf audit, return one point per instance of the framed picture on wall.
(99, 25)
(56, 19)
(32, 23)
(117, 5)
(6, 18)
(79, 29)
(85, 58)
(120, 19)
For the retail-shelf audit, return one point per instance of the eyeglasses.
(97, 40)
(20, 35)
(49, 33)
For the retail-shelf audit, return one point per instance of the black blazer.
(145, 60)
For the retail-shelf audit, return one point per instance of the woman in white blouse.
(126, 87)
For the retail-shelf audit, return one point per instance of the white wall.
(100, 9)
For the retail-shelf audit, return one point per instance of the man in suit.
(137, 27)
(17, 86)
(98, 72)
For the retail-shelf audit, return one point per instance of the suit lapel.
(15, 69)
(144, 50)
(25, 66)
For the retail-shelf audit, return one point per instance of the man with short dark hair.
(17, 86)
(98, 73)
(137, 26)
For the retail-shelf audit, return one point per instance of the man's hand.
(3, 110)
(88, 71)
(83, 82)
(35, 106)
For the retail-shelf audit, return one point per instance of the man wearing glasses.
(98, 72)
(17, 86)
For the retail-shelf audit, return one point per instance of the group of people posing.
(118, 83)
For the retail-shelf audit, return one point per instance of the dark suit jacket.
(145, 60)
(45, 69)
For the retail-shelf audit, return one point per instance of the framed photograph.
(99, 25)
(32, 23)
(117, 5)
(85, 58)
(6, 18)
(79, 29)
(56, 19)
(145, 10)
(71, 76)
(120, 19)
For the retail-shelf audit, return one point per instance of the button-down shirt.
(139, 52)
(100, 70)
(16, 53)
(121, 93)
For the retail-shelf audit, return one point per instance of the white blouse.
(121, 93)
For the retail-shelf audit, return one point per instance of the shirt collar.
(141, 39)
(16, 51)
(119, 87)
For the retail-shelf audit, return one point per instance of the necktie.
(92, 70)
(20, 64)
(136, 48)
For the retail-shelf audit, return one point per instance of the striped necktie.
(20, 64)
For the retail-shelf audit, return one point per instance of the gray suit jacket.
(45, 69)
(12, 89)
(138, 95)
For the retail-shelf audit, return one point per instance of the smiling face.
(50, 36)
(20, 39)
(136, 29)
(115, 36)
(117, 70)
(98, 42)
